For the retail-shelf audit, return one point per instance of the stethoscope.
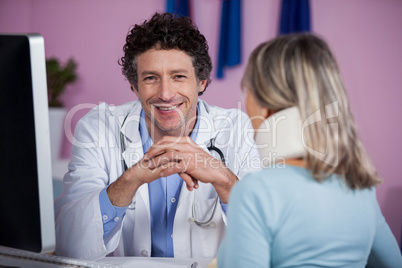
(211, 147)
(209, 222)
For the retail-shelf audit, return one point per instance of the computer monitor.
(26, 193)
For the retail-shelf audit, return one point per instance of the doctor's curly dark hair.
(166, 32)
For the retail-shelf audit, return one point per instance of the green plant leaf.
(58, 77)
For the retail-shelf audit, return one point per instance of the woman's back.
(294, 216)
(282, 217)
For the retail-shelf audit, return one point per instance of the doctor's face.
(168, 90)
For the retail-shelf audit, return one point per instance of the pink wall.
(365, 36)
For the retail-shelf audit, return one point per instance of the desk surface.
(157, 262)
(123, 262)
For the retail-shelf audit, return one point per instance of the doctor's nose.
(166, 90)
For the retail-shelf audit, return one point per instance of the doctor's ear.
(202, 86)
(134, 89)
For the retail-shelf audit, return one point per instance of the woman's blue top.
(282, 217)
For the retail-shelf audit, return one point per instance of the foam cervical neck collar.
(280, 137)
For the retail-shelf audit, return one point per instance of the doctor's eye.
(179, 77)
(150, 79)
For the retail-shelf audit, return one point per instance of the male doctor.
(145, 178)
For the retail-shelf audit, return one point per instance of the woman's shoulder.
(271, 178)
(276, 174)
(281, 181)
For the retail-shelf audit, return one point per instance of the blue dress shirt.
(163, 198)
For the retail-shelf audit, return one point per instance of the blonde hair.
(300, 70)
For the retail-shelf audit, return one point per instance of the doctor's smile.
(174, 106)
(167, 108)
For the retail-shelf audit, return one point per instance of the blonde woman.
(314, 203)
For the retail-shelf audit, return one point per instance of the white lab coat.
(96, 162)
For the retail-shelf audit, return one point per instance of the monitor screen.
(26, 194)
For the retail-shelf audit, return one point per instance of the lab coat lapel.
(130, 130)
(133, 143)
(206, 128)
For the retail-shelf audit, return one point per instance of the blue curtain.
(295, 16)
(180, 8)
(230, 36)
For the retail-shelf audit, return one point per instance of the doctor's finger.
(161, 171)
(179, 168)
(153, 152)
(172, 143)
(187, 177)
(180, 152)
(164, 158)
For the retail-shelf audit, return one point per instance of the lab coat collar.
(130, 122)
(130, 125)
